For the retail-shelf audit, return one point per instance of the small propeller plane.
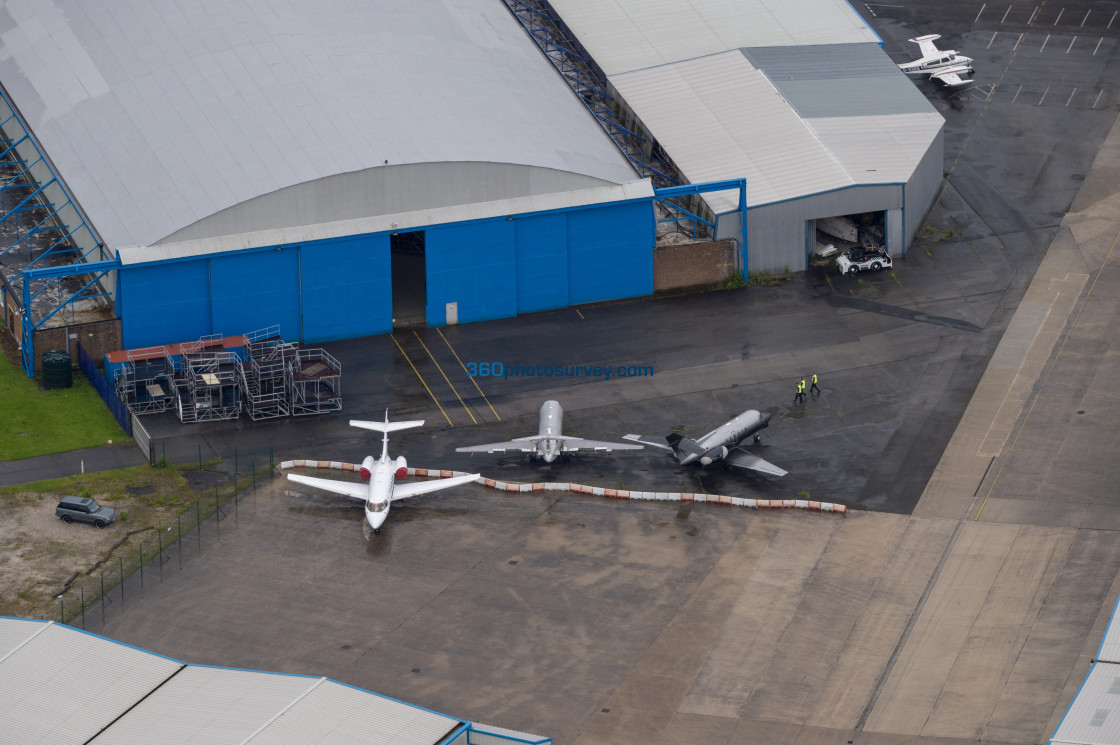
(380, 476)
(943, 66)
(724, 443)
(550, 441)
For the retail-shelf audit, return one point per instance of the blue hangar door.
(255, 290)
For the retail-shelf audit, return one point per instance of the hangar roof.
(63, 686)
(160, 114)
(799, 98)
(721, 117)
(627, 35)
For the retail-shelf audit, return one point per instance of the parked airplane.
(943, 66)
(381, 488)
(724, 443)
(549, 442)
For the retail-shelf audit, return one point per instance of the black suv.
(85, 510)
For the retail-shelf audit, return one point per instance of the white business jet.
(943, 66)
(550, 442)
(381, 488)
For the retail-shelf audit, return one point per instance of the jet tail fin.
(684, 445)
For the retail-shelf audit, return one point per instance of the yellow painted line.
(1061, 347)
(580, 314)
(429, 390)
(471, 377)
(441, 372)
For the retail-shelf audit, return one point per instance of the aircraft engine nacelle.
(708, 457)
(402, 467)
(367, 468)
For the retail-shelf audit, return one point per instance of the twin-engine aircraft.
(945, 67)
(724, 443)
(549, 443)
(380, 476)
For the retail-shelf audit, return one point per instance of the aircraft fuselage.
(551, 425)
(715, 444)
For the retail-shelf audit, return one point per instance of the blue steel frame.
(585, 79)
(740, 184)
(97, 268)
(26, 202)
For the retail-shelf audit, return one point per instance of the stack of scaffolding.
(205, 381)
(208, 383)
(146, 381)
(264, 376)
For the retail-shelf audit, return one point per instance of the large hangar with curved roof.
(195, 131)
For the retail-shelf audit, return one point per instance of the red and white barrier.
(599, 491)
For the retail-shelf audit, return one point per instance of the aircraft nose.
(375, 519)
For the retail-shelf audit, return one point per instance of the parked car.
(862, 258)
(85, 510)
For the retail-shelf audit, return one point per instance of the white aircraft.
(549, 442)
(381, 488)
(943, 66)
(724, 443)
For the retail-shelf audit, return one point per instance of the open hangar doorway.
(828, 237)
(410, 283)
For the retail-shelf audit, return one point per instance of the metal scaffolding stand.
(146, 382)
(208, 384)
(314, 380)
(263, 374)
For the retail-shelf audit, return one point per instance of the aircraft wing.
(404, 491)
(651, 440)
(521, 445)
(952, 76)
(572, 444)
(346, 488)
(743, 459)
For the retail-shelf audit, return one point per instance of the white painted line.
(1071, 44)
(1098, 98)
(1098, 46)
(1043, 95)
(1110, 20)
(1070, 97)
(1063, 10)
(869, 10)
(991, 92)
(977, 18)
(1001, 20)
(993, 39)
(1033, 12)
(1044, 43)
(1086, 17)
(1016, 94)
(1017, 43)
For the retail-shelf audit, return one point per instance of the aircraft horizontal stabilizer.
(651, 440)
(345, 488)
(403, 491)
(684, 445)
(743, 459)
(386, 426)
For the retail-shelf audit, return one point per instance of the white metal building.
(64, 686)
(1093, 717)
(797, 97)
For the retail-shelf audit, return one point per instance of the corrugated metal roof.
(719, 117)
(1110, 644)
(341, 715)
(627, 35)
(878, 149)
(64, 685)
(1093, 717)
(838, 80)
(208, 705)
(17, 631)
(161, 114)
(404, 221)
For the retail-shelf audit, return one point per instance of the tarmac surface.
(961, 598)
